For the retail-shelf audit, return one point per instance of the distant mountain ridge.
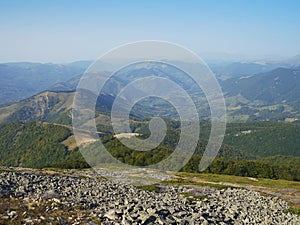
(238, 69)
(22, 80)
(275, 86)
(250, 68)
(293, 61)
(271, 95)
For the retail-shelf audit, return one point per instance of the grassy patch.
(6, 170)
(181, 181)
(150, 187)
(217, 178)
(293, 210)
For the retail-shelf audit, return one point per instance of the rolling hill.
(273, 95)
(276, 86)
(47, 106)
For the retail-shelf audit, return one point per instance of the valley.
(259, 157)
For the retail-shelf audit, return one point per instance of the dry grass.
(70, 143)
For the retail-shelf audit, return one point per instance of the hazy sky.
(62, 31)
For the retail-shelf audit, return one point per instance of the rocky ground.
(31, 197)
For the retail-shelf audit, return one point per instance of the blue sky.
(62, 31)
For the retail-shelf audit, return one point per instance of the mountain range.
(271, 95)
(22, 80)
(249, 68)
(36, 131)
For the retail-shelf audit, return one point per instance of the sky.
(65, 30)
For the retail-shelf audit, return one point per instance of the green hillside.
(34, 144)
(262, 149)
(264, 139)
